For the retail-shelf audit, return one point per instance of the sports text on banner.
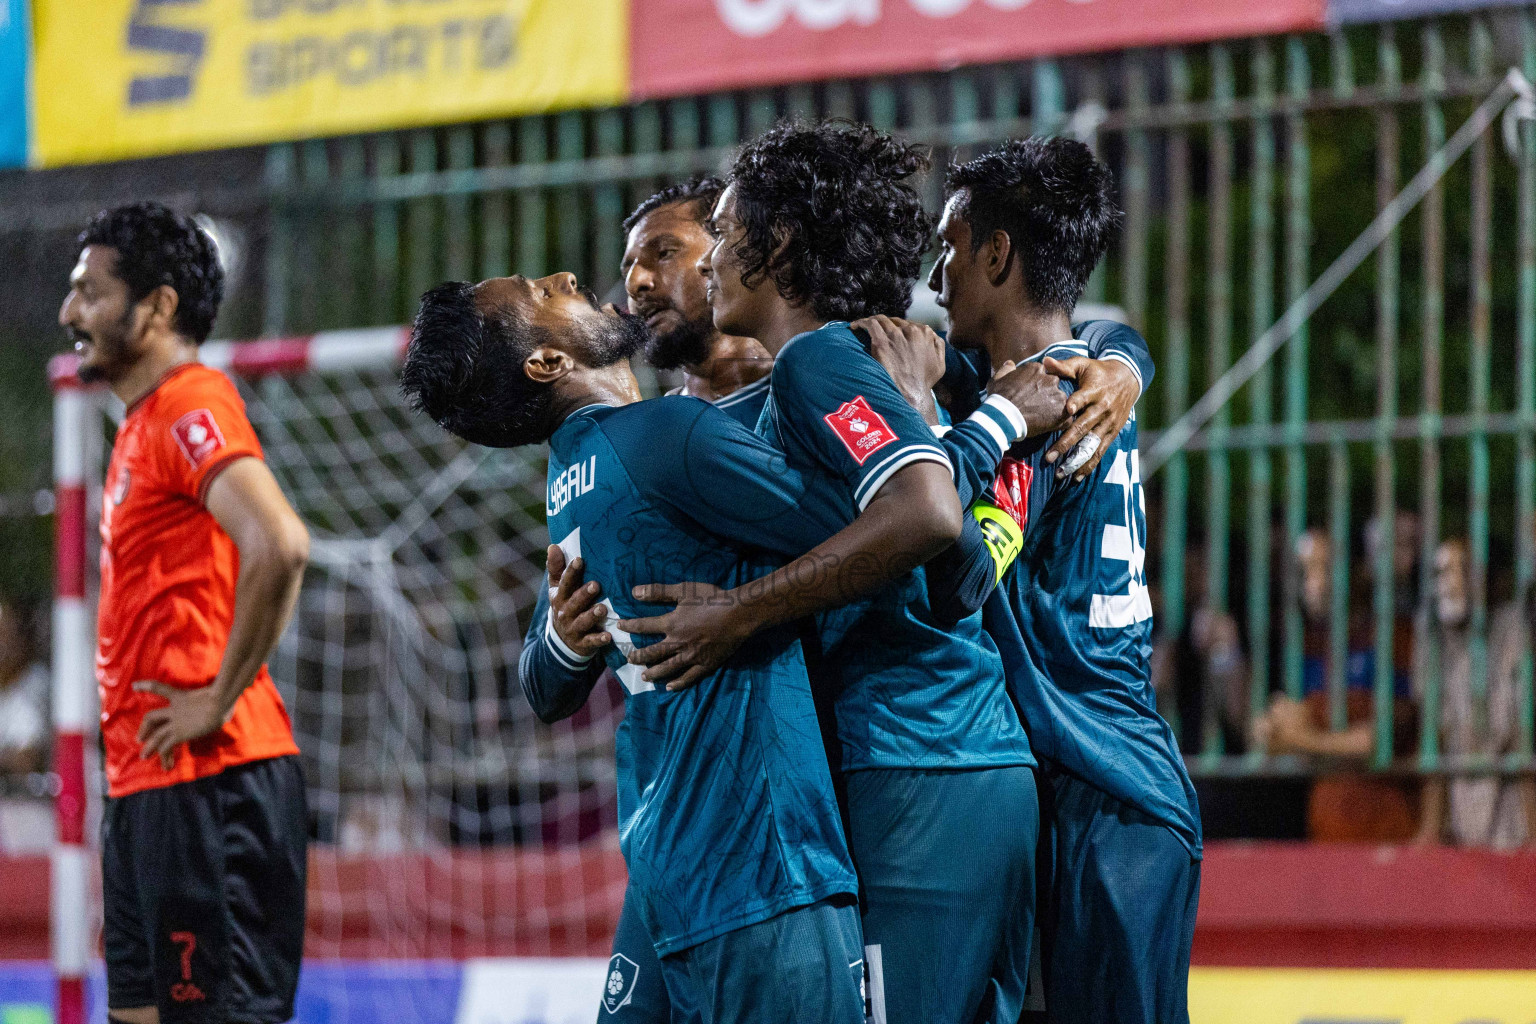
(173, 75)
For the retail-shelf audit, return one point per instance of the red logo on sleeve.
(862, 430)
(1011, 489)
(198, 436)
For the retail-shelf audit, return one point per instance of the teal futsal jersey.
(909, 689)
(727, 815)
(1072, 619)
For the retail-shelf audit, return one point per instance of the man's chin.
(726, 322)
(91, 373)
(687, 345)
(963, 339)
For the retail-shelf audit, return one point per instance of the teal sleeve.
(1108, 339)
(976, 445)
(554, 679)
(701, 465)
(842, 406)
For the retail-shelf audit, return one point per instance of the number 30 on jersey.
(1125, 544)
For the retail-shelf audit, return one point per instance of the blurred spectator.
(1202, 679)
(1351, 806)
(24, 696)
(1488, 810)
(26, 811)
(1201, 675)
(1314, 566)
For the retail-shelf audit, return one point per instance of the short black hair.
(464, 368)
(703, 193)
(836, 192)
(1055, 201)
(158, 246)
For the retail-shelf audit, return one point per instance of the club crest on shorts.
(620, 988)
(862, 430)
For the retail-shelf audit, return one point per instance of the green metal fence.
(1245, 168)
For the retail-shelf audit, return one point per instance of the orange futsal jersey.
(168, 581)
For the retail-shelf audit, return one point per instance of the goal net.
(447, 822)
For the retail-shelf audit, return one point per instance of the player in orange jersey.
(203, 842)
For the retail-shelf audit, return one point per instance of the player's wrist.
(1013, 417)
(222, 698)
(751, 610)
(566, 648)
(927, 408)
(1120, 362)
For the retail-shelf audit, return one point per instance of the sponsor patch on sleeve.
(862, 430)
(198, 437)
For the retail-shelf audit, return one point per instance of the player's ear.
(160, 306)
(999, 256)
(547, 364)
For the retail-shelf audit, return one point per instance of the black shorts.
(203, 893)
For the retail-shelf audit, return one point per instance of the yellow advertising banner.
(129, 78)
(1229, 995)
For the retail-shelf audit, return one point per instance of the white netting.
(448, 822)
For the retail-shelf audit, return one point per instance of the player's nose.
(639, 280)
(705, 266)
(936, 280)
(563, 282)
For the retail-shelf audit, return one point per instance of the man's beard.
(686, 345)
(618, 339)
(607, 342)
(110, 356)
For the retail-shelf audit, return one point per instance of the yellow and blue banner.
(132, 78)
(119, 79)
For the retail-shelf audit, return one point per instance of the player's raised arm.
(1108, 383)
(274, 548)
(960, 577)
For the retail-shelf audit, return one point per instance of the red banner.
(688, 46)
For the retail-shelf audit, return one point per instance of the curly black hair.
(703, 193)
(157, 246)
(835, 195)
(1055, 201)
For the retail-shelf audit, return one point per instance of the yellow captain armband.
(1003, 537)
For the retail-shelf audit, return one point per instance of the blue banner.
(15, 55)
(1347, 12)
(512, 991)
